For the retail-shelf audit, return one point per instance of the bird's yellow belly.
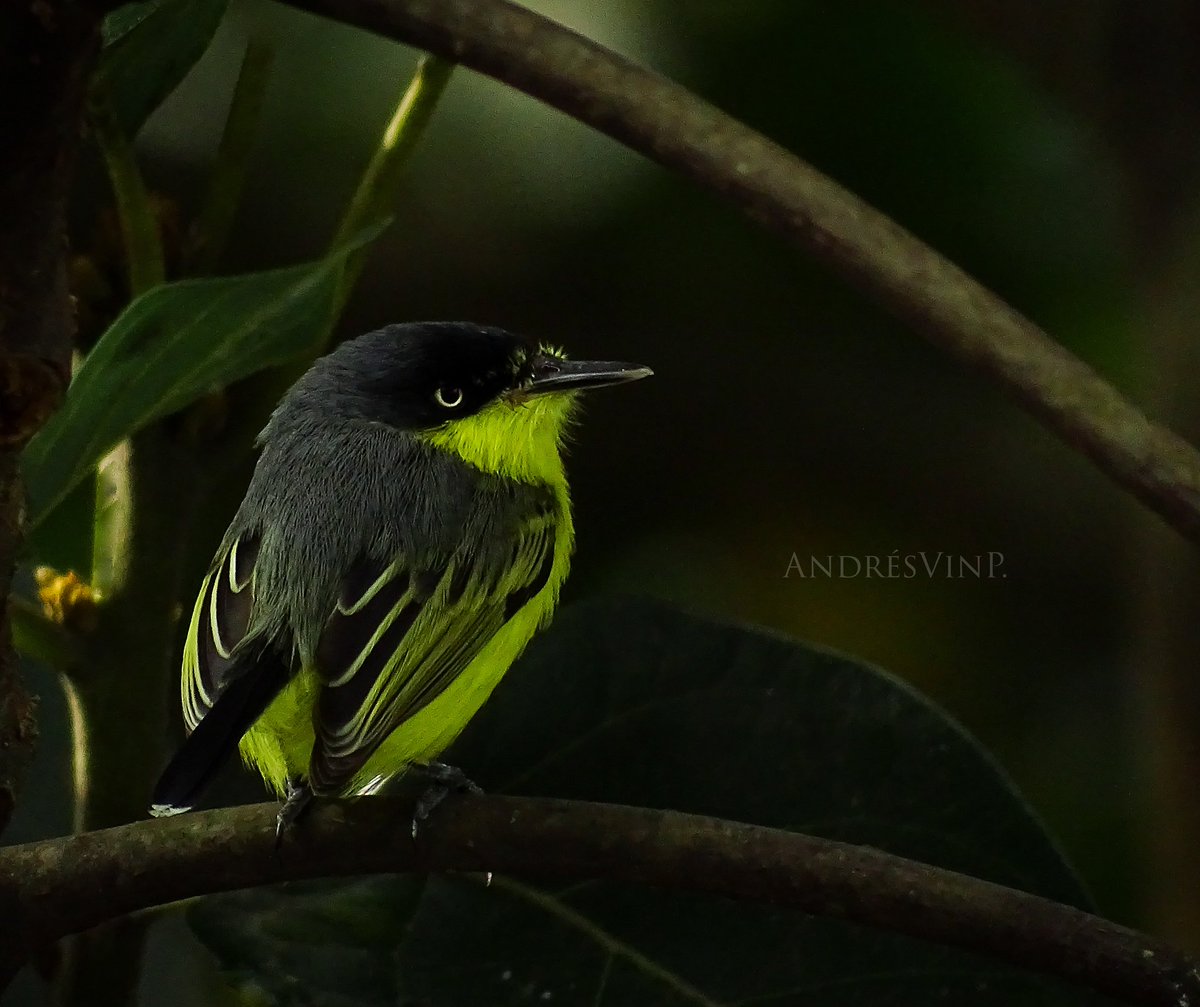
(280, 742)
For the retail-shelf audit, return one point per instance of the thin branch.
(670, 125)
(66, 885)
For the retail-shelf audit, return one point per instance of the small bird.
(406, 532)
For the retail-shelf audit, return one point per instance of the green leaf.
(637, 703)
(148, 49)
(332, 943)
(169, 347)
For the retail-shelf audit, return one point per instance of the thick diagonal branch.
(60, 886)
(667, 123)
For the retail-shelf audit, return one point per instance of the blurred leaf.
(319, 942)
(38, 637)
(66, 538)
(637, 703)
(169, 347)
(120, 22)
(149, 48)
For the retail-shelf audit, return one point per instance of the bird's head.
(495, 399)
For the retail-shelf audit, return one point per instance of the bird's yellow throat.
(515, 437)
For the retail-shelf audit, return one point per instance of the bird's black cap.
(420, 375)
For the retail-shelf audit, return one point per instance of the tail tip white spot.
(167, 810)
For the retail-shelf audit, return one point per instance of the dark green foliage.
(148, 49)
(634, 702)
(168, 348)
(340, 934)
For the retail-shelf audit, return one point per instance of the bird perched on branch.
(405, 534)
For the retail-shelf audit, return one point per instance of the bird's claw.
(443, 780)
(296, 800)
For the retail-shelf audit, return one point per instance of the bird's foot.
(443, 779)
(297, 799)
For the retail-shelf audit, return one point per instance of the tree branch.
(60, 886)
(670, 125)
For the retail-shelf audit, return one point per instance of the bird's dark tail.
(218, 733)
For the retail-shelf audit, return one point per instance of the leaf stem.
(366, 211)
(377, 188)
(213, 223)
(139, 228)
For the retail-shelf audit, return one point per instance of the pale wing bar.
(218, 627)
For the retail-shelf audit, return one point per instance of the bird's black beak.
(552, 374)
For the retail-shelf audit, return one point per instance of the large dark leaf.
(333, 943)
(637, 703)
(148, 49)
(170, 346)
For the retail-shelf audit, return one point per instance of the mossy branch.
(64, 885)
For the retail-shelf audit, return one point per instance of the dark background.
(1049, 148)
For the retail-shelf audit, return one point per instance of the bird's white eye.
(448, 398)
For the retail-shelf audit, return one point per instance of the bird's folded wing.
(228, 678)
(217, 632)
(401, 634)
